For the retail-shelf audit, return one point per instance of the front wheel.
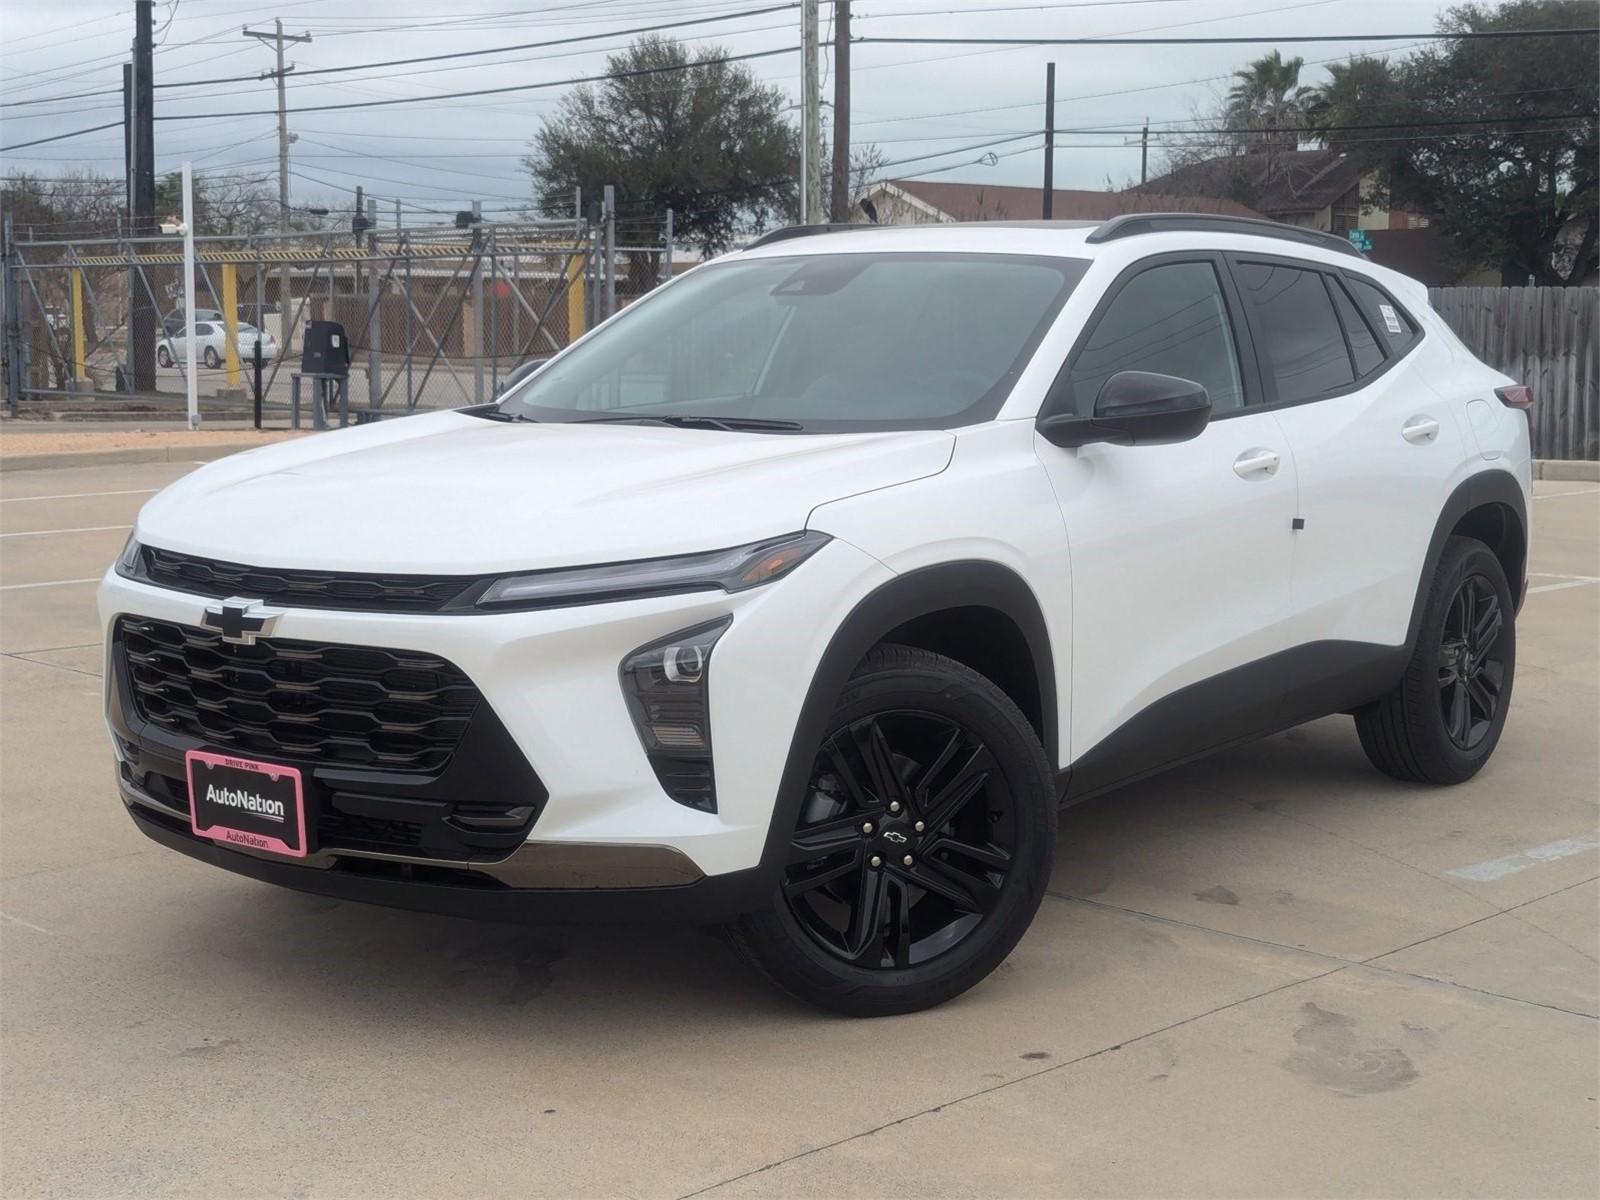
(922, 847)
(163, 356)
(212, 358)
(1442, 721)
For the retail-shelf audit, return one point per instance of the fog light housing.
(667, 686)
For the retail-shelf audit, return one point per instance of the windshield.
(821, 343)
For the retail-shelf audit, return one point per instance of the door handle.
(1420, 430)
(1256, 463)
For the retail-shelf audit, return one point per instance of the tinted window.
(1299, 334)
(1391, 321)
(832, 341)
(201, 329)
(1363, 344)
(1171, 320)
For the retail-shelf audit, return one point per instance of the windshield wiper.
(491, 413)
(732, 424)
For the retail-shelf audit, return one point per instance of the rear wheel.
(212, 358)
(1443, 720)
(163, 356)
(922, 848)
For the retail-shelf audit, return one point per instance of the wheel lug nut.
(876, 861)
(867, 828)
(919, 826)
(894, 806)
(907, 860)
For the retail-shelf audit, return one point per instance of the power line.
(566, 41)
(520, 87)
(1229, 41)
(61, 137)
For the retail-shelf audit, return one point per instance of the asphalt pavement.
(1273, 973)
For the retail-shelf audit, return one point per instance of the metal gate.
(436, 317)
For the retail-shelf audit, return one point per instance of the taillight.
(1518, 395)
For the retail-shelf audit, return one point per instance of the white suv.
(798, 595)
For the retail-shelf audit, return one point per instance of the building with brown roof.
(927, 201)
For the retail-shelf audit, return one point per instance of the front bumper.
(606, 838)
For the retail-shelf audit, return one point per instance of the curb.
(1572, 470)
(125, 457)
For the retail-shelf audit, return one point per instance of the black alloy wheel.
(1442, 720)
(904, 843)
(1472, 669)
(919, 850)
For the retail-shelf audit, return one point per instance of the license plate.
(245, 803)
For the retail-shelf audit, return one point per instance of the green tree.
(708, 141)
(1266, 100)
(1515, 182)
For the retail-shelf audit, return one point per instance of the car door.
(1375, 450)
(1181, 552)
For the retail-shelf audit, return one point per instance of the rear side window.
(1363, 342)
(1171, 320)
(1392, 322)
(1299, 334)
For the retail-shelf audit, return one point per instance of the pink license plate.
(257, 805)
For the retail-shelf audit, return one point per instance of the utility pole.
(810, 116)
(191, 379)
(142, 188)
(840, 210)
(285, 301)
(1049, 141)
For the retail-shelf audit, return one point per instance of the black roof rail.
(1136, 224)
(799, 231)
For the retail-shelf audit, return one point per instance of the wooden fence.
(1547, 338)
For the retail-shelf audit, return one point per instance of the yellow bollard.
(80, 364)
(230, 321)
(574, 298)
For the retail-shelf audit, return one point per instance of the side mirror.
(522, 371)
(1135, 408)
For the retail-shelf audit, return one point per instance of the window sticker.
(1391, 319)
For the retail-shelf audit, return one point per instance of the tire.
(163, 356)
(1443, 720)
(852, 928)
(212, 358)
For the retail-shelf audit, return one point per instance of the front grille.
(302, 589)
(355, 706)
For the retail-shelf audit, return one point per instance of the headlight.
(130, 563)
(667, 686)
(716, 570)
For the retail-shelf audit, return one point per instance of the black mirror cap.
(1135, 408)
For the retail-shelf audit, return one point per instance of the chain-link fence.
(435, 317)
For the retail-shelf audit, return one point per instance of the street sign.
(1360, 240)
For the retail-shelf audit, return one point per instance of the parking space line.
(1561, 495)
(1499, 868)
(79, 529)
(15, 587)
(78, 495)
(1576, 581)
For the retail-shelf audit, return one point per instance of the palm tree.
(1265, 99)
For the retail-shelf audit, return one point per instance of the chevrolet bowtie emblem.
(240, 621)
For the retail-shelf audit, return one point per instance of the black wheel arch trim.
(1491, 486)
(968, 583)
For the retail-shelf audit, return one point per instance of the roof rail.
(799, 231)
(1136, 224)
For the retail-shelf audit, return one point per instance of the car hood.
(448, 493)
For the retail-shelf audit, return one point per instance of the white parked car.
(798, 594)
(211, 340)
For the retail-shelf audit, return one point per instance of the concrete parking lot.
(1274, 973)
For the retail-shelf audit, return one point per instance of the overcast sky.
(926, 103)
